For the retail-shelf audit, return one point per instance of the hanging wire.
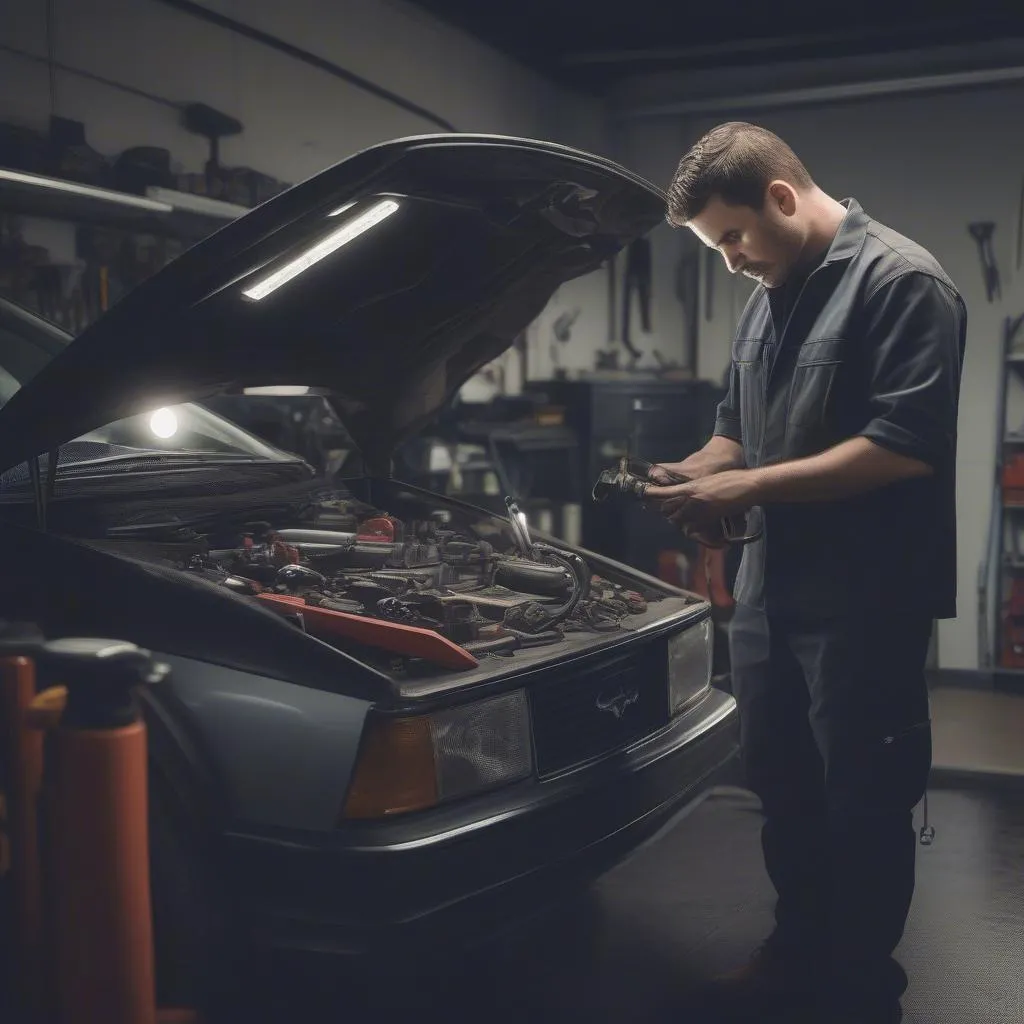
(51, 52)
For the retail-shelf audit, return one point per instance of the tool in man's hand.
(981, 232)
(632, 477)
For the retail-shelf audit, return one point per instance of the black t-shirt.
(782, 299)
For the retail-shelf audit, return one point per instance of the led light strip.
(335, 240)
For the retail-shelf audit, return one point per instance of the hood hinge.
(40, 492)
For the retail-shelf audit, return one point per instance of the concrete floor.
(696, 903)
(977, 732)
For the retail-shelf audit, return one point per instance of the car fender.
(281, 754)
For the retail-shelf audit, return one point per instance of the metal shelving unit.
(120, 239)
(161, 211)
(1002, 571)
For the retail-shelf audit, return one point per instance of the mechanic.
(840, 424)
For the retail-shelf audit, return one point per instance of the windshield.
(28, 343)
(187, 428)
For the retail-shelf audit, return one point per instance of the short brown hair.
(736, 162)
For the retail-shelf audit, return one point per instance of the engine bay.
(438, 589)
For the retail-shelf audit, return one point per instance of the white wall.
(653, 149)
(927, 166)
(298, 119)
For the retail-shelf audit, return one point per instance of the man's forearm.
(850, 468)
(718, 455)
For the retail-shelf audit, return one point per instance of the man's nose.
(734, 261)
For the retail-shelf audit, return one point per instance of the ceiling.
(591, 46)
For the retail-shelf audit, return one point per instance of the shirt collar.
(852, 231)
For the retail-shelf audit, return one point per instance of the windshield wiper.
(158, 459)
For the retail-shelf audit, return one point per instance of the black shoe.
(775, 981)
(862, 995)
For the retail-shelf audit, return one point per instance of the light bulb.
(164, 423)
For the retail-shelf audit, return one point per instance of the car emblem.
(618, 704)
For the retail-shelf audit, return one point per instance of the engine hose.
(581, 579)
(533, 578)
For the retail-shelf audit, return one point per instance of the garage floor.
(696, 903)
(978, 732)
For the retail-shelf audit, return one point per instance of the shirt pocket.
(817, 374)
(748, 358)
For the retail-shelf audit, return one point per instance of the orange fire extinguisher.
(76, 756)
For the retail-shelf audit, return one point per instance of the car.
(392, 720)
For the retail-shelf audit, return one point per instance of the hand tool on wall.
(562, 332)
(562, 327)
(1020, 226)
(638, 276)
(613, 284)
(981, 232)
(687, 292)
(710, 262)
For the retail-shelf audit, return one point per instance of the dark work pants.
(836, 742)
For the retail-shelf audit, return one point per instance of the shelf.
(1015, 362)
(198, 206)
(160, 211)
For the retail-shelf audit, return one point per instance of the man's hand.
(706, 501)
(665, 473)
(719, 454)
(695, 467)
(850, 468)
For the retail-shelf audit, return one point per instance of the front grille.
(611, 704)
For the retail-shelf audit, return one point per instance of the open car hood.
(389, 278)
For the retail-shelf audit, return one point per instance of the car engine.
(420, 588)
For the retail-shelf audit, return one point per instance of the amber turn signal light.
(395, 770)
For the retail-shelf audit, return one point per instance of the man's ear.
(782, 196)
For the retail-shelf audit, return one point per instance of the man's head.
(743, 191)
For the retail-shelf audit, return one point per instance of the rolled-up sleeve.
(727, 418)
(913, 344)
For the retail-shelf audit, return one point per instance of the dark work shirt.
(871, 344)
(781, 301)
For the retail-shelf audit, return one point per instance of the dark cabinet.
(651, 419)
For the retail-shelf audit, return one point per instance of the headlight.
(689, 664)
(410, 764)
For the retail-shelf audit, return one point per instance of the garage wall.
(927, 165)
(298, 119)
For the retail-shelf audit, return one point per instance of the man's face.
(764, 245)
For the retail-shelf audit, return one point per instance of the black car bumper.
(402, 885)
